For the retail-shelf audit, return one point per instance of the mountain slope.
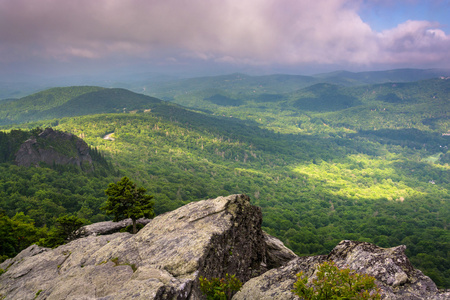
(318, 177)
(72, 101)
(335, 110)
(25, 109)
(314, 191)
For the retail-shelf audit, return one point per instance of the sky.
(76, 37)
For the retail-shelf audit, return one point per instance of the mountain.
(236, 83)
(334, 109)
(209, 238)
(368, 165)
(73, 101)
(243, 85)
(375, 77)
(165, 86)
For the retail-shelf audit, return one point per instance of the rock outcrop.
(209, 238)
(54, 147)
(162, 261)
(394, 274)
(107, 227)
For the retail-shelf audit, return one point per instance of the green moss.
(37, 294)
(115, 260)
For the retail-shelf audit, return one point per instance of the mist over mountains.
(20, 85)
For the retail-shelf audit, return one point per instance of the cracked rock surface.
(162, 261)
(394, 274)
(208, 238)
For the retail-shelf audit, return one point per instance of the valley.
(325, 161)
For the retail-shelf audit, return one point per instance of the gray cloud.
(251, 32)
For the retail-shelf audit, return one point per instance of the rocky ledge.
(73, 150)
(206, 238)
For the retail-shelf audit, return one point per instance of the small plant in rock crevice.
(335, 283)
(220, 288)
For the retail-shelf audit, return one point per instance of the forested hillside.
(72, 101)
(325, 162)
(272, 84)
(34, 197)
(328, 109)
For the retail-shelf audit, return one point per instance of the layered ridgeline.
(319, 176)
(237, 83)
(166, 85)
(326, 108)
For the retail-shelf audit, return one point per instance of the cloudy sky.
(292, 36)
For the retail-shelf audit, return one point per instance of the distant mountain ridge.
(159, 85)
(374, 77)
(284, 83)
(72, 101)
(348, 106)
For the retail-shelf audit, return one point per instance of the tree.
(67, 225)
(63, 231)
(16, 234)
(126, 200)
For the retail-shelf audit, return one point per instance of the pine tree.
(126, 200)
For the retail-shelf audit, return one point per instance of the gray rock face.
(394, 274)
(35, 150)
(277, 253)
(107, 227)
(162, 261)
(277, 283)
(209, 238)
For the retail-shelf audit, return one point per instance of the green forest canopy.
(318, 181)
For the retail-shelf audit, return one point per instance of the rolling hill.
(72, 101)
(325, 162)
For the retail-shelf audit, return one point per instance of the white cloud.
(264, 32)
(414, 41)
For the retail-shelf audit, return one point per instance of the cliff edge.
(206, 238)
(54, 147)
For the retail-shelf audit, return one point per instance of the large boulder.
(162, 261)
(394, 274)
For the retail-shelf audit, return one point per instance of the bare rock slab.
(162, 261)
(394, 274)
(207, 238)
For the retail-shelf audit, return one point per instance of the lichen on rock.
(394, 274)
(208, 238)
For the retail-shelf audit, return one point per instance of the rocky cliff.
(394, 274)
(54, 147)
(207, 238)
